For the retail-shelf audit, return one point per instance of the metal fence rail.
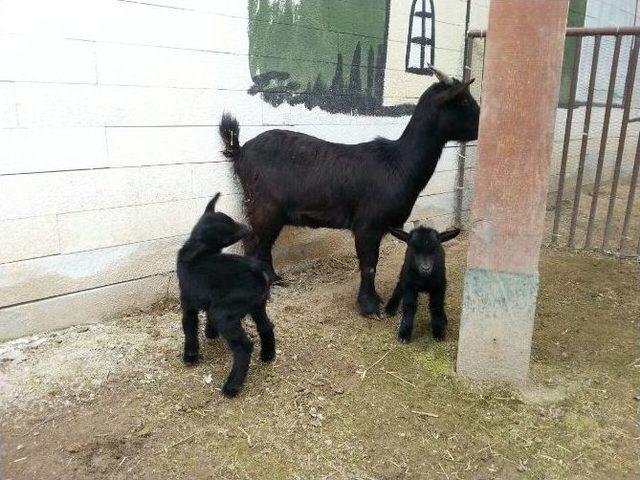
(582, 234)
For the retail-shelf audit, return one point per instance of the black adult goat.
(227, 287)
(291, 178)
(423, 270)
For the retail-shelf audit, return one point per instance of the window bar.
(422, 39)
(424, 36)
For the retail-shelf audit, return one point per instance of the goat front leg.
(438, 315)
(265, 330)
(230, 328)
(409, 307)
(190, 328)
(392, 305)
(368, 250)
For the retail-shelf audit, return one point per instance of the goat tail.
(230, 133)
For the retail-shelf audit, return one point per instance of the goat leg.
(368, 250)
(438, 315)
(210, 330)
(265, 330)
(267, 225)
(392, 305)
(409, 307)
(231, 330)
(190, 328)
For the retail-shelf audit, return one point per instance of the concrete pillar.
(522, 68)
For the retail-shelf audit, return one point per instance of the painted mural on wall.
(332, 54)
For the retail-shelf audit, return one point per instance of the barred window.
(421, 38)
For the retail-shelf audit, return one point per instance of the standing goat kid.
(423, 271)
(290, 178)
(227, 287)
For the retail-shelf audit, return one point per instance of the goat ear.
(448, 235)
(456, 90)
(194, 251)
(211, 206)
(399, 234)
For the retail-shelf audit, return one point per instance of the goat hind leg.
(265, 246)
(265, 330)
(190, 328)
(230, 328)
(392, 305)
(210, 330)
(266, 229)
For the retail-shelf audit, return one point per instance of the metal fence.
(574, 219)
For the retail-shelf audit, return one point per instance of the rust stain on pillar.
(521, 84)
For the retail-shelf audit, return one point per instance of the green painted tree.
(355, 79)
(370, 67)
(337, 84)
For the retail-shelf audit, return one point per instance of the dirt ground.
(344, 399)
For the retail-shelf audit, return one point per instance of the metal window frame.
(422, 40)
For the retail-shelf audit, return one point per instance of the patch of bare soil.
(344, 399)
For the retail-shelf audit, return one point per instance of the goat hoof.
(281, 282)
(230, 391)
(440, 336)
(370, 309)
(190, 358)
(439, 333)
(267, 356)
(210, 333)
(275, 279)
(404, 337)
(389, 312)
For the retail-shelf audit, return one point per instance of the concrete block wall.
(109, 148)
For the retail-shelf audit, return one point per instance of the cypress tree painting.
(329, 54)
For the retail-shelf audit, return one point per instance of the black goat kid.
(290, 178)
(423, 271)
(227, 287)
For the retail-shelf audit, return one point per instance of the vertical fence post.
(632, 193)
(603, 141)
(567, 137)
(512, 179)
(628, 91)
(462, 153)
(585, 140)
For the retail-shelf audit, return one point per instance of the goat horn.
(443, 77)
